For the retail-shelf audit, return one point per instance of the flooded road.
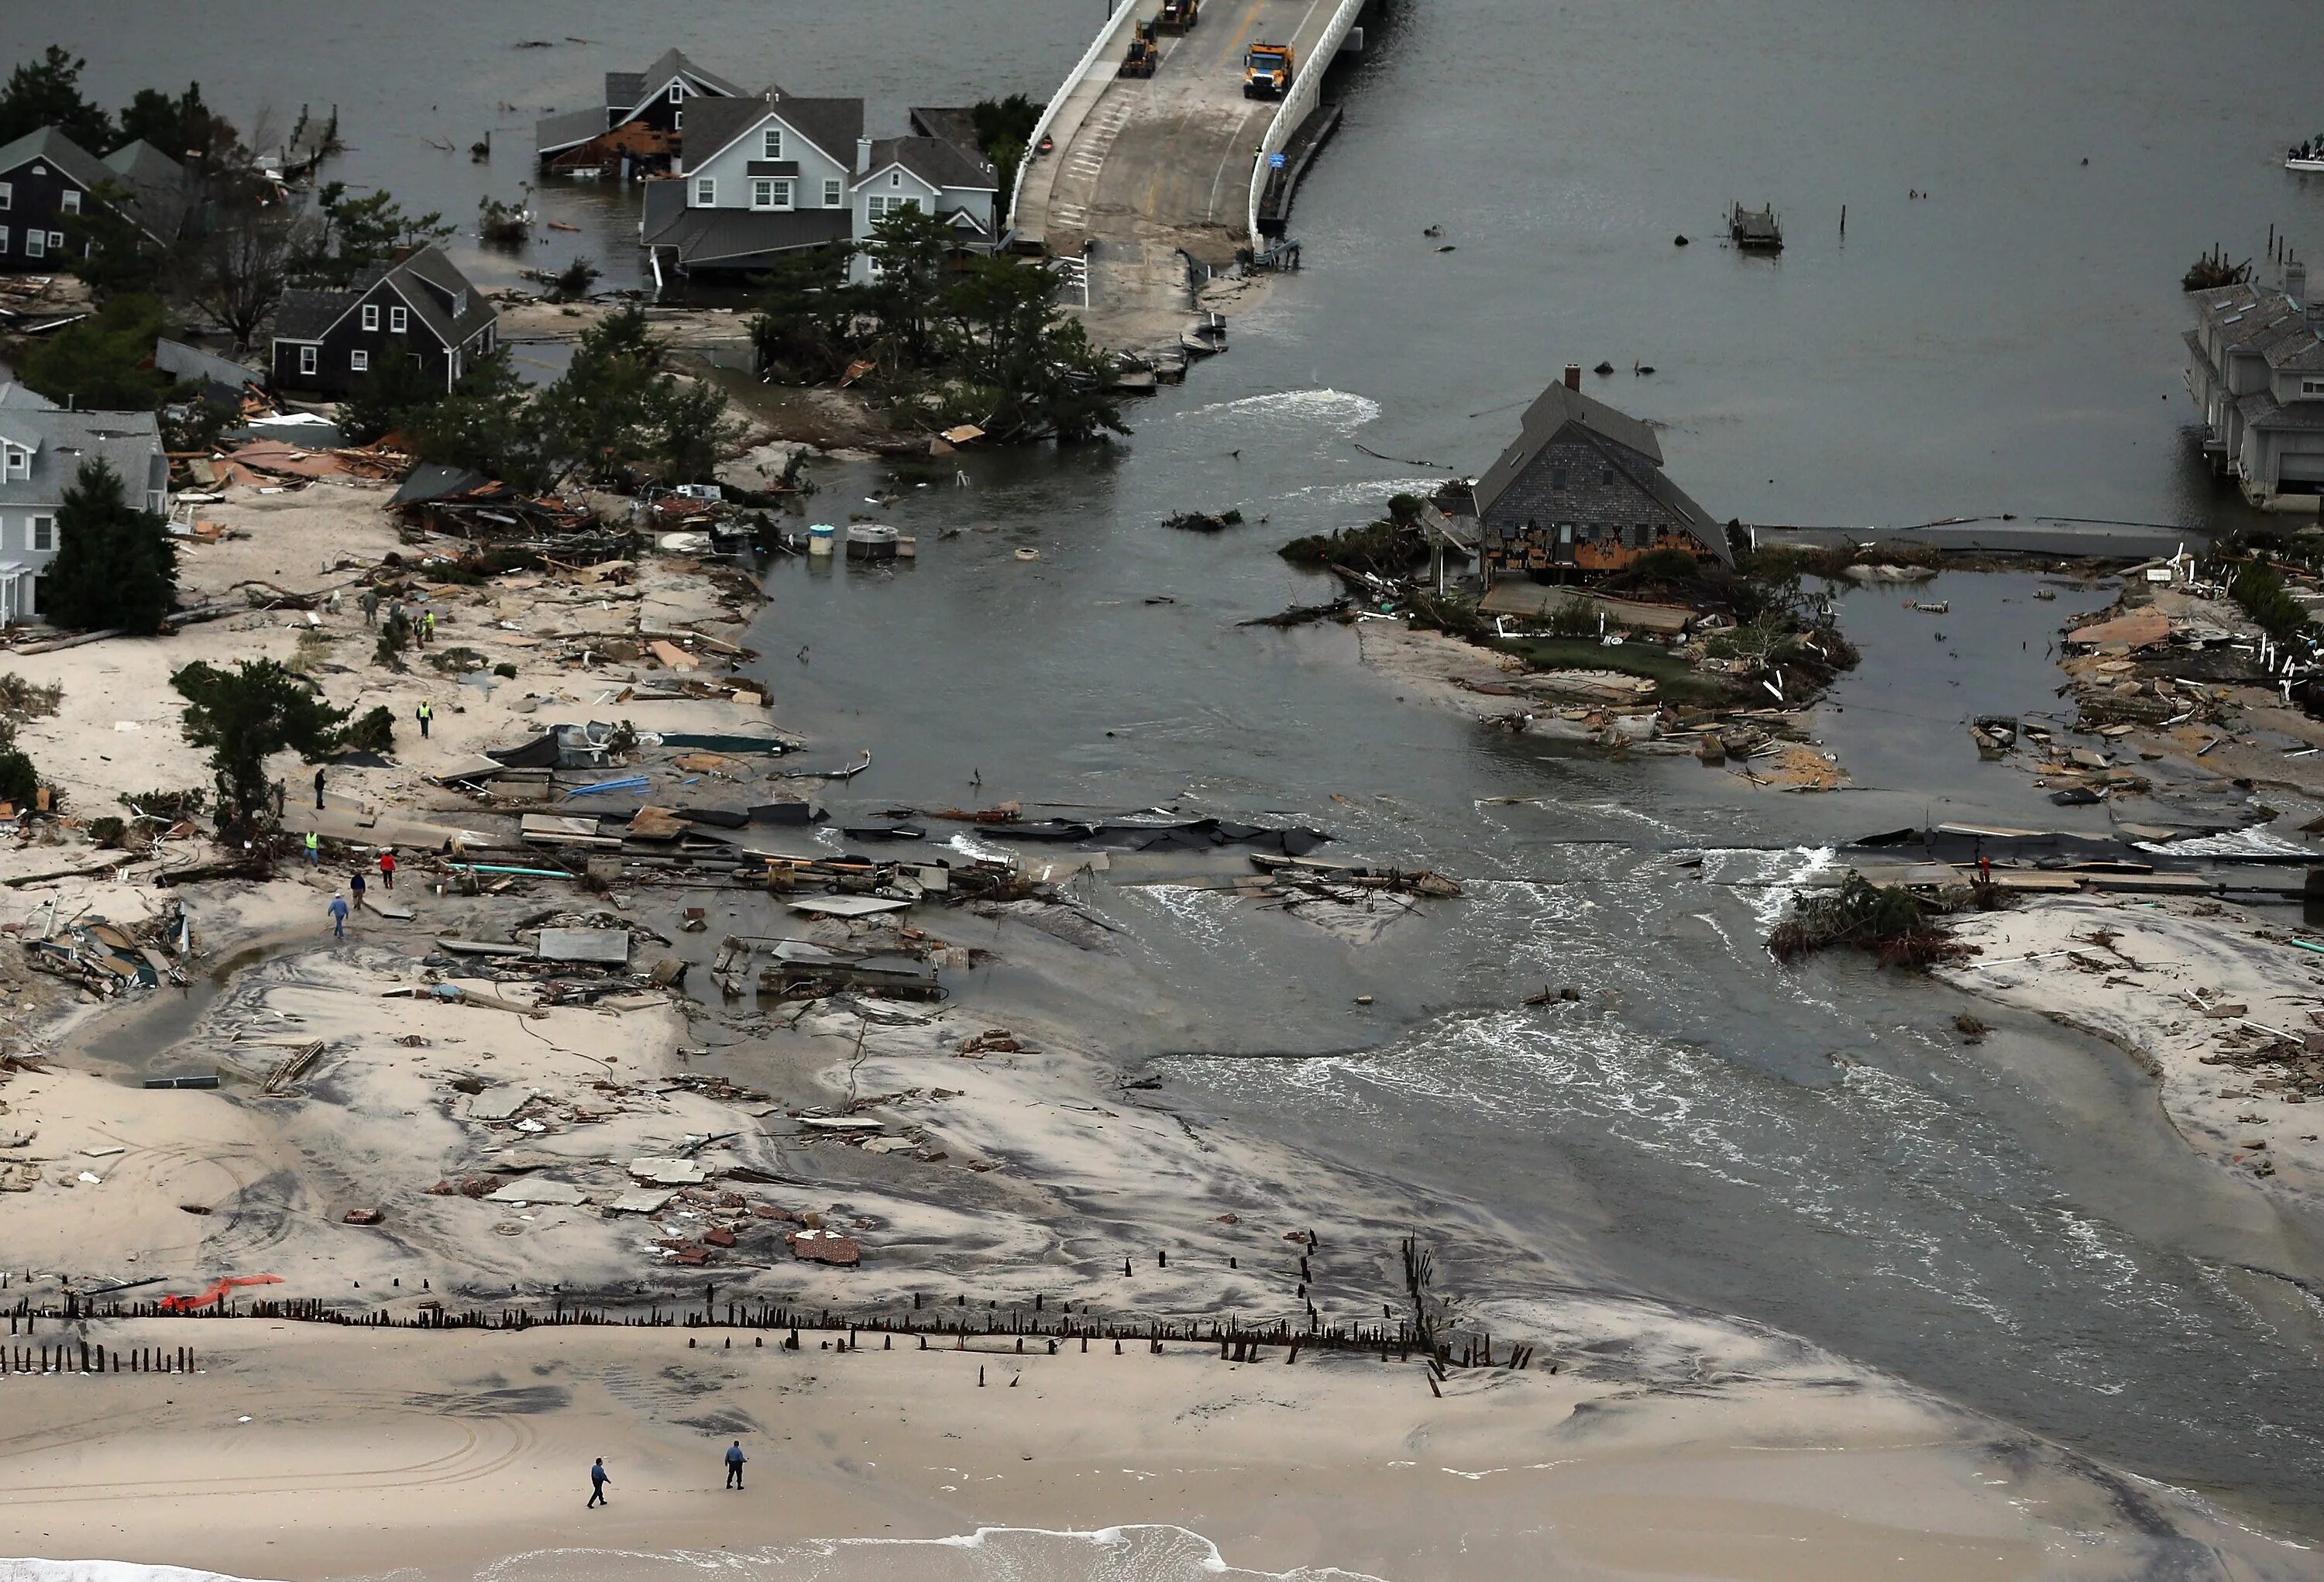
(2011, 1224)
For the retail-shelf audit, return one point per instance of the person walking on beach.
(427, 715)
(318, 791)
(338, 917)
(734, 1459)
(313, 849)
(387, 868)
(427, 627)
(369, 602)
(355, 887)
(598, 1482)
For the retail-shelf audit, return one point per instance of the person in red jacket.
(387, 869)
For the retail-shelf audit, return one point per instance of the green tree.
(910, 250)
(487, 422)
(806, 314)
(1028, 369)
(244, 717)
(46, 92)
(356, 233)
(103, 362)
(381, 401)
(116, 565)
(111, 251)
(616, 416)
(185, 128)
(1003, 127)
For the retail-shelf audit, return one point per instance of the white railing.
(1306, 88)
(1123, 12)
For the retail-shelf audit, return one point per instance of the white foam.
(1339, 409)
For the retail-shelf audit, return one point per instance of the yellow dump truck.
(1267, 71)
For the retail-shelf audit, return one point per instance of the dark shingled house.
(641, 128)
(1581, 491)
(420, 307)
(46, 179)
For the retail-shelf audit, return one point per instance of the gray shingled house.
(419, 307)
(2256, 368)
(41, 449)
(1581, 491)
(46, 179)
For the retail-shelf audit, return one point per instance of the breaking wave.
(1338, 409)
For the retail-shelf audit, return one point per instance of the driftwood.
(1302, 615)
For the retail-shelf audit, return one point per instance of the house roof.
(955, 125)
(936, 161)
(623, 90)
(60, 441)
(14, 394)
(832, 125)
(1557, 407)
(182, 361)
(308, 314)
(155, 184)
(433, 481)
(2263, 411)
(731, 238)
(672, 63)
(552, 134)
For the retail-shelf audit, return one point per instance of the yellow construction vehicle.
(1178, 16)
(1142, 56)
(1267, 71)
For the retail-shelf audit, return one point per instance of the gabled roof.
(955, 125)
(555, 134)
(60, 441)
(308, 314)
(832, 125)
(14, 394)
(1557, 407)
(936, 161)
(623, 90)
(62, 152)
(629, 92)
(155, 184)
(182, 361)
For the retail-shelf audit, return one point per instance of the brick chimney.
(1573, 375)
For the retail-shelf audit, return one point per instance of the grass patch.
(1678, 681)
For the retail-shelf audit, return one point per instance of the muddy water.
(2011, 1224)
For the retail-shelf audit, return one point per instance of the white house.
(2256, 368)
(42, 448)
(775, 173)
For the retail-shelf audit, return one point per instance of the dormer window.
(15, 462)
(459, 304)
(771, 142)
(678, 93)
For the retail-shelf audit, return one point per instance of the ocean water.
(1142, 1553)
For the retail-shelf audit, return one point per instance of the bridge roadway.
(1147, 168)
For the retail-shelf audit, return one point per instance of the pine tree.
(117, 566)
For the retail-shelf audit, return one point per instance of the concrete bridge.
(1149, 168)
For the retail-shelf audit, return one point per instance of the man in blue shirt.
(734, 1459)
(338, 917)
(598, 1482)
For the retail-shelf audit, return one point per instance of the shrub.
(107, 831)
(373, 732)
(20, 782)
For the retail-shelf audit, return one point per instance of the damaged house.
(1581, 492)
(776, 174)
(641, 130)
(2256, 368)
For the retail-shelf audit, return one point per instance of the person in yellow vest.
(313, 849)
(426, 713)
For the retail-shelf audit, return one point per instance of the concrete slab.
(594, 946)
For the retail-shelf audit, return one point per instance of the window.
(1606, 477)
(2307, 387)
(459, 303)
(36, 244)
(831, 200)
(772, 144)
(56, 241)
(45, 532)
(706, 193)
(359, 362)
(677, 120)
(69, 200)
(1557, 478)
(7, 195)
(3, 238)
(678, 93)
(768, 193)
(15, 462)
(399, 319)
(371, 315)
(895, 178)
(877, 206)
(307, 355)
(1646, 534)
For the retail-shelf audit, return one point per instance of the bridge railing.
(1106, 36)
(1305, 90)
